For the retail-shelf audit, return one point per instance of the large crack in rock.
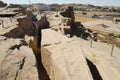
(20, 68)
(53, 60)
(94, 71)
(19, 61)
(36, 47)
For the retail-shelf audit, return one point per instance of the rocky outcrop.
(27, 26)
(17, 64)
(18, 55)
(31, 16)
(76, 28)
(69, 13)
(71, 21)
(43, 23)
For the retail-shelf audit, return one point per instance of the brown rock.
(27, 25)
(69, 13)
(43, 23)
(31, 15)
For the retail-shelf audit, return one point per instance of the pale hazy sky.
(95, 2)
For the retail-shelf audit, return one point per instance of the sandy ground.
(111, 27)
(95, 24)
(83, 19)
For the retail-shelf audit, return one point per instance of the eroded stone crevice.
(15, 66)
(41, 70)
(20, 67)
(29, 26)
(94, 71)
(17, 46)
(36, 47)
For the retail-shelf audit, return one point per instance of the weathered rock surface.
(43, 22)
(31, 16)
(17, 64)
(27, 25)
(69, 13)
(76, 28)
(99, 54)
(61, 57)
(62, 60)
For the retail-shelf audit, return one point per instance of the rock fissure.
(22, 63)
(31, 51)
(20, 67)
(94, 71)
(36, 47)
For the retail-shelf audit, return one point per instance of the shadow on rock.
(25, 27)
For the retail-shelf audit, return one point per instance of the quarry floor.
(72, 58)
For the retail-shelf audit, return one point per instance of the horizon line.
(62, 4)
